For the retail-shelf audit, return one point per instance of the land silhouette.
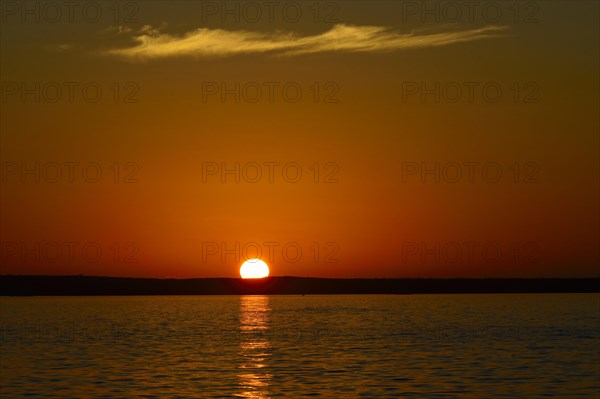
(27, 285)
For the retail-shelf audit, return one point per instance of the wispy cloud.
(149, 43)
(59, 48)
(117, 29)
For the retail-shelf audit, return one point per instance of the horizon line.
(313, 277)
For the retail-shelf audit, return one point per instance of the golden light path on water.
(255, 319)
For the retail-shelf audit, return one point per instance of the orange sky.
(393, 105)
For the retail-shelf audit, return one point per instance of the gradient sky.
(371, 212)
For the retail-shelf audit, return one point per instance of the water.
(421, 346)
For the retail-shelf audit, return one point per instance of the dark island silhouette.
(14, 285)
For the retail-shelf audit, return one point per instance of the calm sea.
(421, 346)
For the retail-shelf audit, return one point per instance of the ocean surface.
(346, 346)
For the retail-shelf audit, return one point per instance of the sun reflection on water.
(253, 372)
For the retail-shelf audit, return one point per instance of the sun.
(254, 268)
